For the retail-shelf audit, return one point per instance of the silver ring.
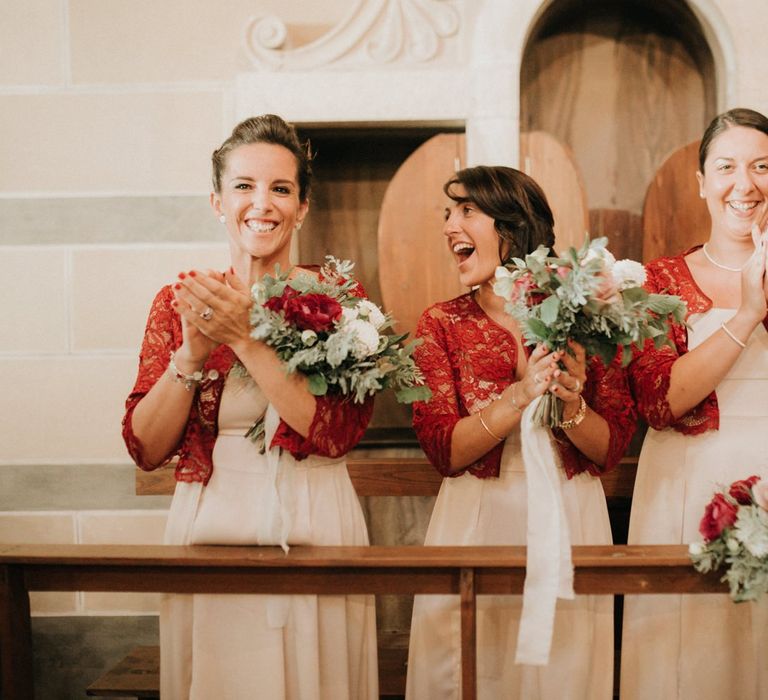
(578, 386)
(207, 313)
(537, 378)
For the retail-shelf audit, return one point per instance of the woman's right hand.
(196, 346)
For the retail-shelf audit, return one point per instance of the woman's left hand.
(216, 304)
(568, 384)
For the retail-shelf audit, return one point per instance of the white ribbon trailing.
(549, 568)
(278, 499)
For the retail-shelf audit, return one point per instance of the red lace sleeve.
(651, 369)
(161, 337)
(435, 420)
(607, 393)
(337, 426)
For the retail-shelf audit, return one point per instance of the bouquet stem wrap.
(548, 566)
(277, 500)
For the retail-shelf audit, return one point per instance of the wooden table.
(465, 571)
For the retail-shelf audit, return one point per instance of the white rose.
(628, 273)
(366, 338)
(349, 314)
(368, 310)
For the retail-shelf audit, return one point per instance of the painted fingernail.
(192, 273)
(177, 286)
(181, 275)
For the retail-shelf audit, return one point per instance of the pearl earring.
(222, 219)
(702, 195)
(297, 227)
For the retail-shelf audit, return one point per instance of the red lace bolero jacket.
(337, 426)
(650, 371)
(468, 360)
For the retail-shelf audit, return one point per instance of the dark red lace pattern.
(337, 426)
(468, 360)
(651, 369)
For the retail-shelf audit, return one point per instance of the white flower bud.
(369, 311)
(308, 337)
(695, 549)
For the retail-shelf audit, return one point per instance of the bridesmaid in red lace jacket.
(481, 380)
(202, 383)
(706, 403)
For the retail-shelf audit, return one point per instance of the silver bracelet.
(190, 381)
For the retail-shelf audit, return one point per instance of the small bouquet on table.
(338, 340)
(735, 532)
(587, 296)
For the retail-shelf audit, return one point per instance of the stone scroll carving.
(372, 32)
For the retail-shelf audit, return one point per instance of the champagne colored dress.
(699, 647)
(468, 360)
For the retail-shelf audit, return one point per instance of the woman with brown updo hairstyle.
(203, 383)
(482, 378)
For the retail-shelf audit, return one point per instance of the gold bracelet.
(732, 336)
(487, 429)
(577, 418)
(512, 398)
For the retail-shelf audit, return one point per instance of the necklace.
(720, 265)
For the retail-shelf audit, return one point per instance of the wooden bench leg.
(468, 634)
(15, 636)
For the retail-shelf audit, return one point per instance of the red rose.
(313, 312)
(741, 491)
(719, 514)
(278, 303)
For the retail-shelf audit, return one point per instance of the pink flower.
(525, 287)
(760, 494)
(719, 514)
(608, 291)
(741, 491)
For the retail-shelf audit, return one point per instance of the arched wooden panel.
(551, 164)
(674, 216)
(416, 268)
(621, 84)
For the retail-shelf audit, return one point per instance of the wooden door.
(551, 164)
(674, 216)
(416, 268)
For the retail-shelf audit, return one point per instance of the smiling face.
(735, 180)
(259, 199)
(472, 238)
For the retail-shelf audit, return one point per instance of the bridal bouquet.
(320, 328)
(589, 297)
(735, 531)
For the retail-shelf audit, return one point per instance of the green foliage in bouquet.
(589, 297)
